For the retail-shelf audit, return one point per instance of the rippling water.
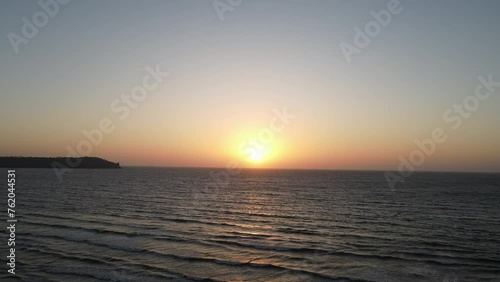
(159, 224)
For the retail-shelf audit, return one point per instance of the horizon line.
(270, 168)
(315, 169)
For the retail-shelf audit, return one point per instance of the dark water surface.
(159, 224)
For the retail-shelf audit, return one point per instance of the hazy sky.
(226, 77)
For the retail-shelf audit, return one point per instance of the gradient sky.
(226, 77)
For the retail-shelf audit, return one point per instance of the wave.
(251, 264)
(124, 243)
(103, 269)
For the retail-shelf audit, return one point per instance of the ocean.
(172, 224)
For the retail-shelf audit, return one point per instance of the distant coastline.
(41, 162)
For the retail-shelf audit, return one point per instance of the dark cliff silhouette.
(37, 162)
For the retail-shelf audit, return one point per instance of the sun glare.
(254, 152)
(257, 156)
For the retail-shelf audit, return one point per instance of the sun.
(254, 152)
(257, 156)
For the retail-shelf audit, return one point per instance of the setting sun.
(256, 153)
(257, 156)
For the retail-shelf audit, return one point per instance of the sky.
(233, 70)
